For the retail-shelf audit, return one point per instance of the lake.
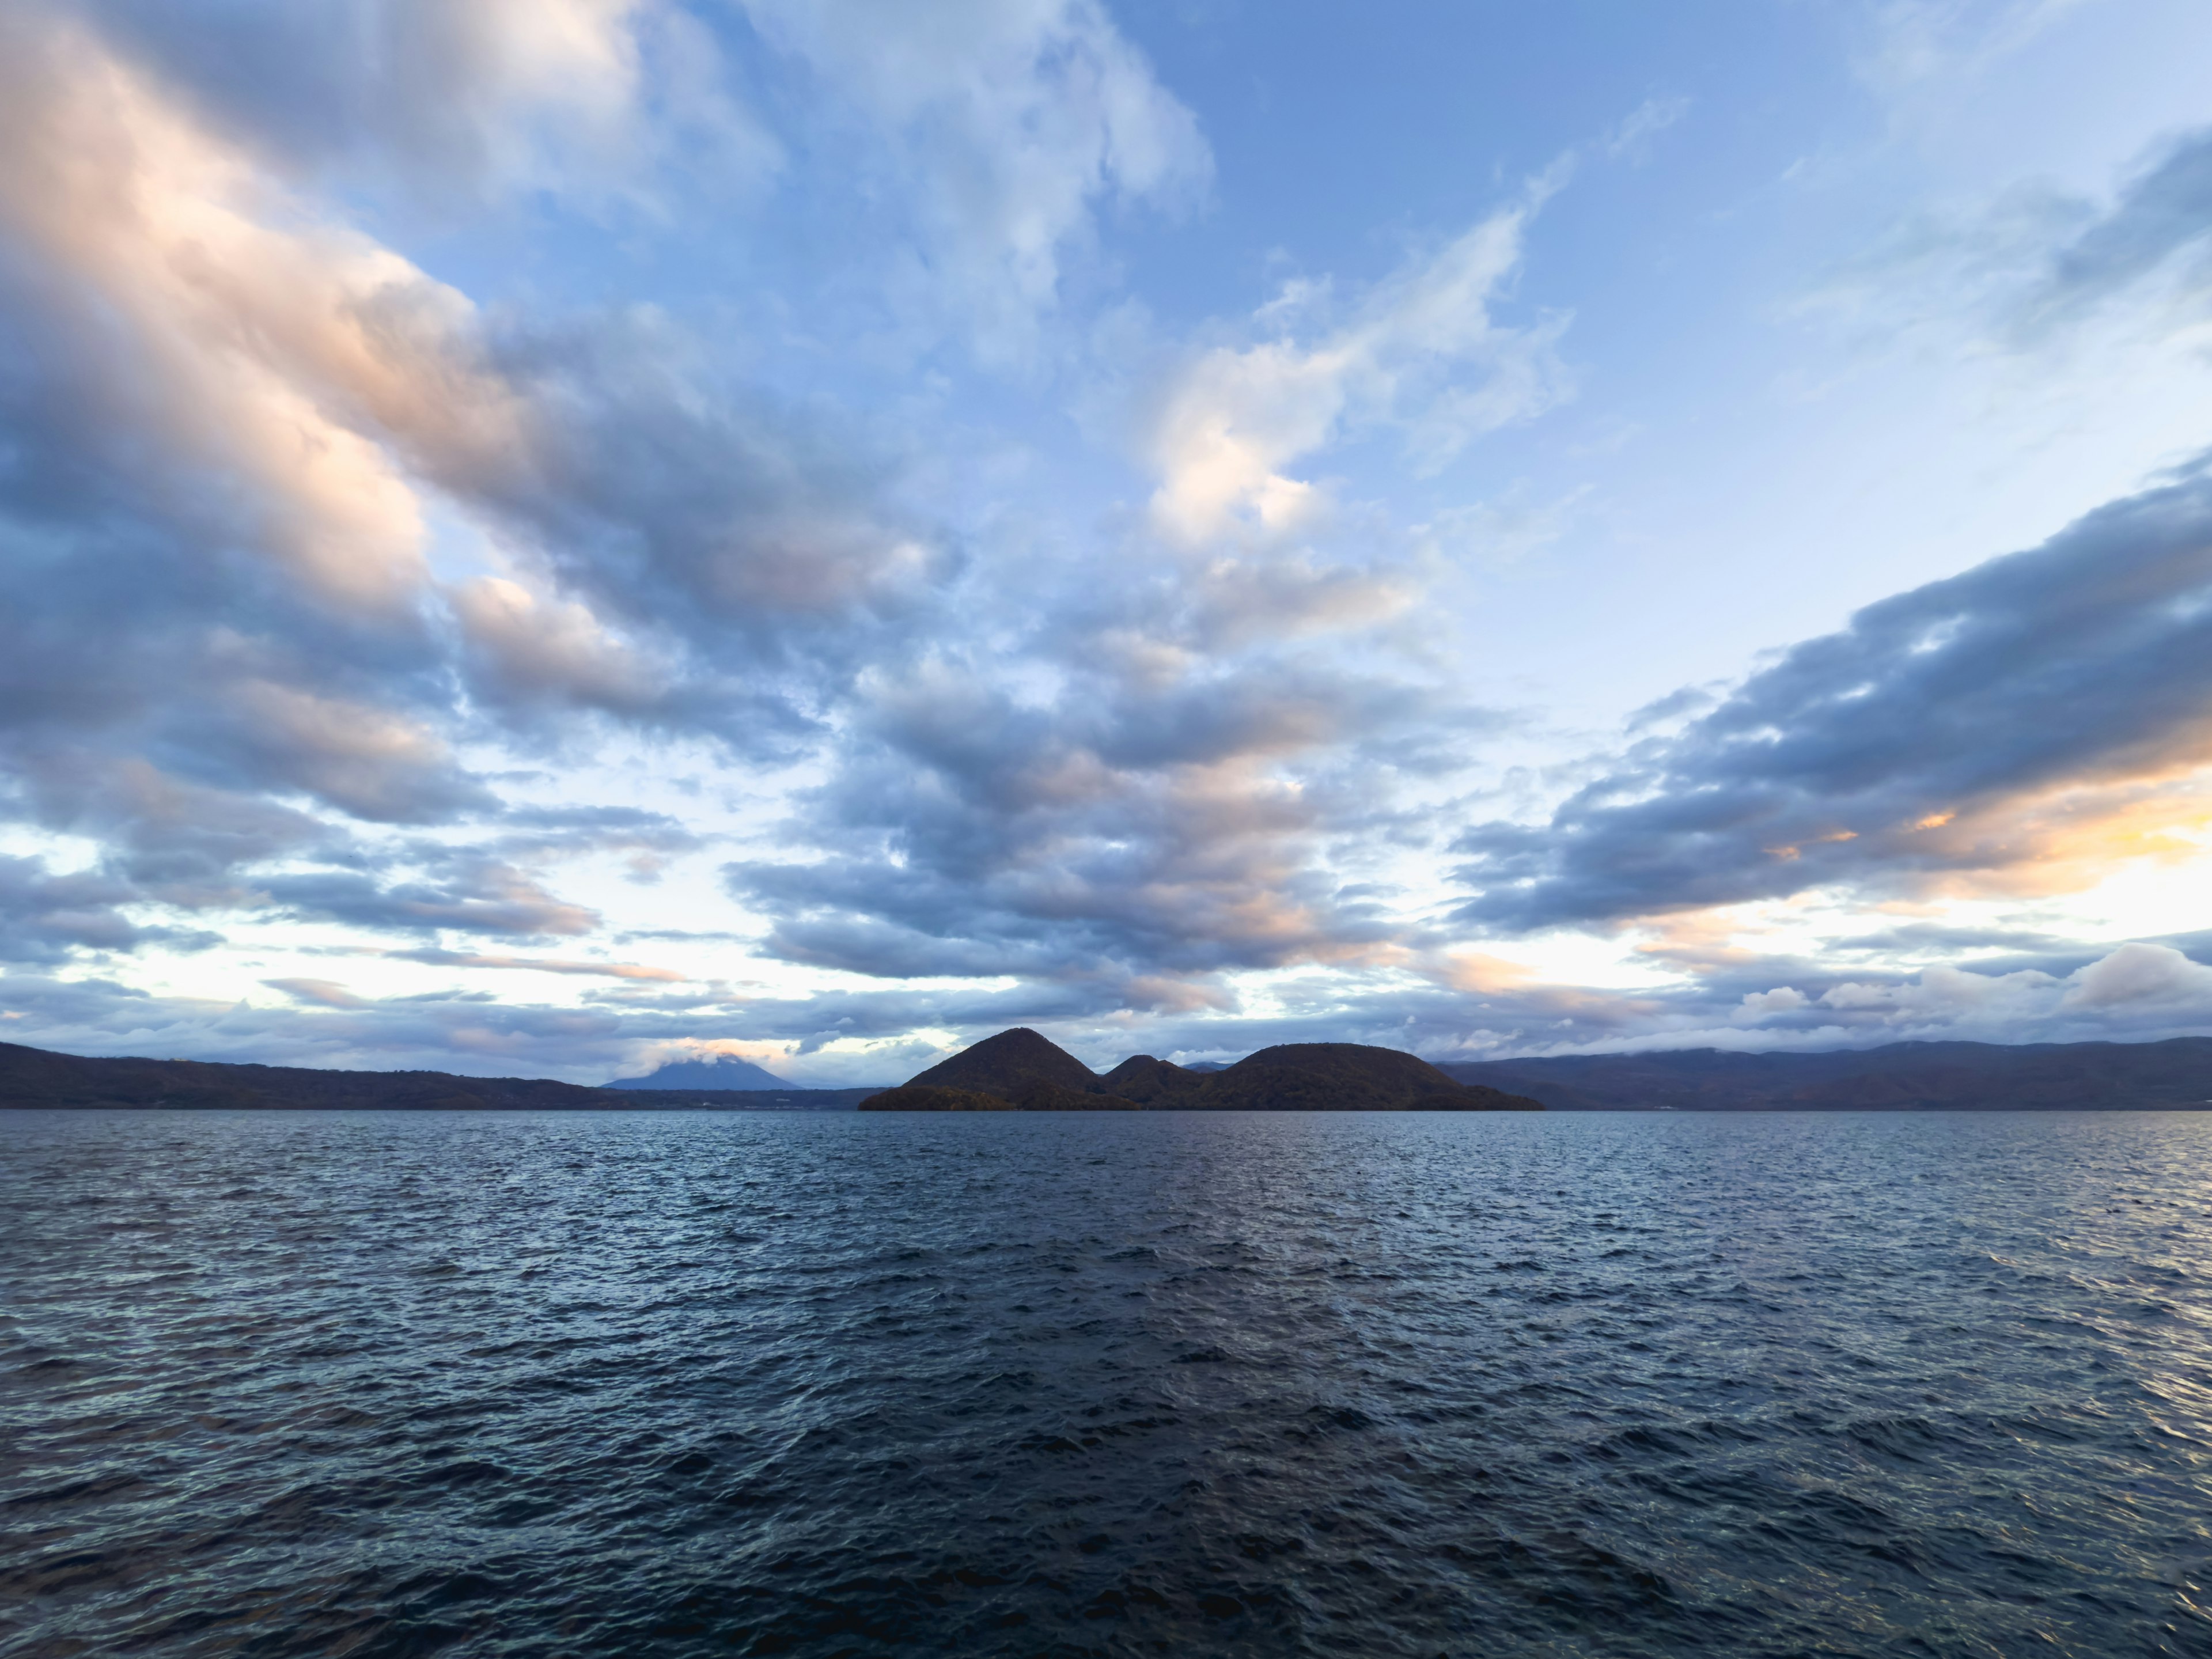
(388, 1383)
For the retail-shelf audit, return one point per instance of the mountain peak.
(1000, 1065)
(718, 1071)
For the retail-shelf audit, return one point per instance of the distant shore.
(2172, 1075)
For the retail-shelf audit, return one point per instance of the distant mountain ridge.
(41, 1078)
(722, 1071)
(1000, 1076)
(1019, 1070)
(2172, 1075)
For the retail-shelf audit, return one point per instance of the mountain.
(1002, 1065)
(40, 1078)
(1152, 1082)
(35, 1076)
(1021, 1071)
(723, 1071)
(2175, 1074)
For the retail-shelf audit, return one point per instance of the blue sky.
(546, 537)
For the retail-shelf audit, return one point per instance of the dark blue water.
(1403, 1385)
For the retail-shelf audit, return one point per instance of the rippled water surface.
(828, 1383)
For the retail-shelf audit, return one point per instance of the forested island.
(1019, 1071)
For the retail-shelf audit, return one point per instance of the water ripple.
(503, 1385)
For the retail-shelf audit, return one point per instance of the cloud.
(306, 551)
(995, 128)
(2039, 268)
(622, 970)
(229, 426)
(318, 992)
(2020, 726)
(2137, 977)
(245, 428)
(467, 892)
(1234, 420)
(1165, 822)
(645, 841)
(1913, 43)
(2161, 221)
(182, 508)
(48, 918)
(452, 103)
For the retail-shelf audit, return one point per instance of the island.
(1019, 1071)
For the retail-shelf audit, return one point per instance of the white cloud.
(1422, 352)
(1917, 41)
(2138, 989)
(2142, 977)
(1782, 999)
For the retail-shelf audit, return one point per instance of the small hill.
(1151, 1082)
(723, 1071)
(1021, 1070)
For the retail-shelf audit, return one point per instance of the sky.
(543, 538)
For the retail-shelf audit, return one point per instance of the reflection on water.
(1106, 1384)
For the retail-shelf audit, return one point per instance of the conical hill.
(1001, 1065)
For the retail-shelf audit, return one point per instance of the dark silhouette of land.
(1898, 1076)
(1019, 1071)
(37, 1077)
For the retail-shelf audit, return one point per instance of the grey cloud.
(534, 835)
(447, 1031)
(173, 841)
(1916, 741)
(48, 918)
(2164, 211)
(137, 624)
(2039, 263)
(219, 640)
(685, 553)
(469, 893)
(1915, 940)
(1129, 827)
(748, 543)
(623, 970)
